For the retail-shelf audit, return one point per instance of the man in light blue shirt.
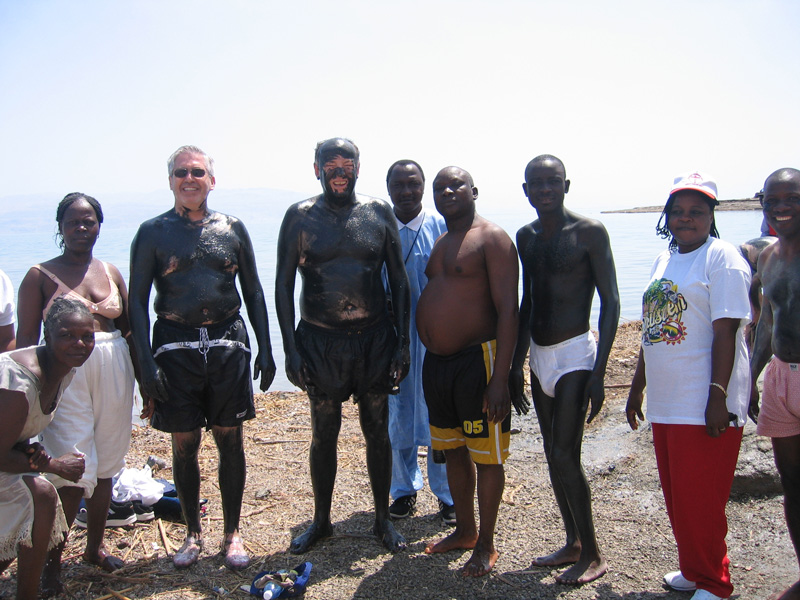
(408, 414)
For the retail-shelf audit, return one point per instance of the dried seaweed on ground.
(632, 526)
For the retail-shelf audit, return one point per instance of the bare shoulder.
(381, 207)
(115, 274)
(769, 257)
(303, 206)
(157, 227)
(230, 221)
(490, 232)
(297, 213)
(592, 230)
(526, 232)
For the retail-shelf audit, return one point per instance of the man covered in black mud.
(198, 368)
(346, 343)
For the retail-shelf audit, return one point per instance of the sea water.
(29, 228)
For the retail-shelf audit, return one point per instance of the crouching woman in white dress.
(31, 383)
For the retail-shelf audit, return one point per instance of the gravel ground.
(632, 525)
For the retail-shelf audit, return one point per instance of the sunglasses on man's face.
(196, 173)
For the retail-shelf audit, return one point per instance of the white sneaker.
(705, 595)
(676, 581)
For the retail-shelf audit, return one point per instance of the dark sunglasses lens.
(181, 173)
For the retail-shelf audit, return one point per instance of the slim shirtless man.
(778, 333)
(467, 319)
(198, 367)
(346, 344)
(564, 258)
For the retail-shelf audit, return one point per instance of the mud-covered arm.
(256, 308)
(502, 267)
(605, 278)
(285, 274)
(401, 298)
(143, 272)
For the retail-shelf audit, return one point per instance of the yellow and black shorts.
(454, 387)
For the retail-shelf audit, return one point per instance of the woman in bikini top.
(74, 274)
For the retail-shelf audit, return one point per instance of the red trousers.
(696, 473)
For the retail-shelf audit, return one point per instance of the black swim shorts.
(208, 375)
(454, 387)
(347, 362)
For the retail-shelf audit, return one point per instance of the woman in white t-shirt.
(693, 361)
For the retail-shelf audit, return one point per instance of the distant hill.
(742, 204)
(138, 206)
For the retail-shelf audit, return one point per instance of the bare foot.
(104, 560)
(480, 563)
(454, 541)
(583, 571)
(565, 556)
(303, 542)
(189, 553)
(236, 557)
(389, 537)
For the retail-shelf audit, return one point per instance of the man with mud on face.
(198, 368)
(346, 343)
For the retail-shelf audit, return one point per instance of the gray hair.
(61, 308)
(190, 150)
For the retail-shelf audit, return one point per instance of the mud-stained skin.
(196, 266)
(339, 242)
(192, 256)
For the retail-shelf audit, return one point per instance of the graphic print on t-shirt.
(662, 309)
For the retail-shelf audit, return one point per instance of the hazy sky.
(97, 94)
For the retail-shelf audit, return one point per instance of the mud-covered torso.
(340, 255)
(195, 267)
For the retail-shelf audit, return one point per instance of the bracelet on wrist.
(719, 386)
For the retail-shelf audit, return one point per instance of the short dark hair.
(403, 162)
(545, 158)
(321, 144)
(68, 201)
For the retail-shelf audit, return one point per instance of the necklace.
(411, 249)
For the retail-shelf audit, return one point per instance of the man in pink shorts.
(778, 333)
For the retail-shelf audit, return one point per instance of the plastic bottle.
(272, 590)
